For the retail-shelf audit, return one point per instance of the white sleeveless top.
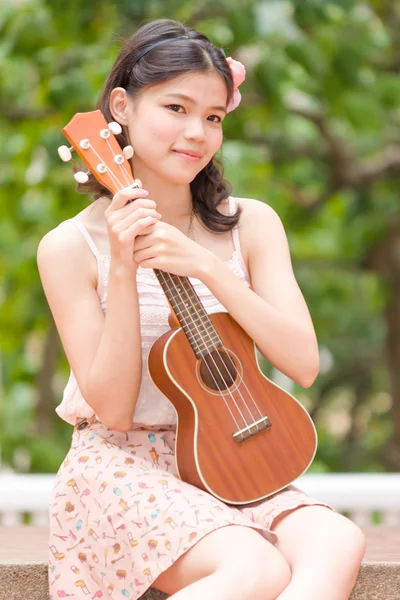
(152, 407)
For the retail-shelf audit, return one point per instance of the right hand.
(130, 214)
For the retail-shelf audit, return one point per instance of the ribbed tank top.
(152, 407)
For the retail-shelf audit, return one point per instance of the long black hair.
(193, 53)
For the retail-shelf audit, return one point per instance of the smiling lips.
(189, 154)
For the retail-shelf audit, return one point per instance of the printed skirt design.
(119, 514)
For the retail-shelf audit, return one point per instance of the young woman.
(121, 519)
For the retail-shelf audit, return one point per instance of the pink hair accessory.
(238, 75)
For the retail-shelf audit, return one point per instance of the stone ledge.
(29, 582)
(23, 568)
(377, 581)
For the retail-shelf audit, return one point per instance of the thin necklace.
(191, 224)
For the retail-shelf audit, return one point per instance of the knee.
(354, 543)
(261, 577)
(350, 540)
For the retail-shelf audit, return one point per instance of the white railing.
(359, 495)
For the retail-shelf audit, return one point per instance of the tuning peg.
(81, 177)
(128, 152)
(65, 153)
(115, 127)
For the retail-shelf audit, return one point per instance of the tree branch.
(346, 169)
(343, 162)
(384, 164)
(281, 151)
(16, 114)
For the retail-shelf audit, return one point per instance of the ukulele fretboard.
(195, 322)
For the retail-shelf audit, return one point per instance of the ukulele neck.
(194, 320)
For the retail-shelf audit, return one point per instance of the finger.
(121, 198)
(119, 215)
(128, 235)
(144, 239)
(136, 184)
(143, 254)
(139, 205)
(133, 217)
(154, 263)
(148, 229)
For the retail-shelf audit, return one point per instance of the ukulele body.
(241, 468)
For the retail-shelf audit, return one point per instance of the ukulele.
(240, 436)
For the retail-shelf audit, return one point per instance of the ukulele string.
(234, 366)
(119, 183)
(121, 165)
(163, 274)
(115, 179)
(212, 358)
(232, 363)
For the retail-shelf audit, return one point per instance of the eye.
(176, 107)
(217, 117)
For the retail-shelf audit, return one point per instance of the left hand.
(170, 250)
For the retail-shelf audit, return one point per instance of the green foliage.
(332, 59)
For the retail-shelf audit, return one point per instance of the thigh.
(232, 547)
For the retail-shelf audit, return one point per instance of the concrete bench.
(23, 568)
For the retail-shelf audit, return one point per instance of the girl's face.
(175, 128)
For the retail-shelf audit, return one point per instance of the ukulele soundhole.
(218, 370)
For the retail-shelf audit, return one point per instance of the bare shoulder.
(253, 210)
(64, 251)
(65, 237)
(259, 225)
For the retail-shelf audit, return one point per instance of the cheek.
(215, 140)
(161, 130)
(150, 132)
(219, 137)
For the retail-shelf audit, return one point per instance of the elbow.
(122, 427)
(309, 374)
(106, 412)
(306, 382)
(122, 424)
(115, 415)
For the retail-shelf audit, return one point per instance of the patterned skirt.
(120, 515)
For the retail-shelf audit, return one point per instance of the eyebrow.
(189, 99)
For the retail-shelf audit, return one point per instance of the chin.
(181, 178)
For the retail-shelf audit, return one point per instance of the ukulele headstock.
(94, 140)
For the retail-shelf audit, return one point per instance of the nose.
(195, 130)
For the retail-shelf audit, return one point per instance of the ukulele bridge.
(252, 429)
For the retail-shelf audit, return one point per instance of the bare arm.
(114, 378)
(273, 312)
(104, 351)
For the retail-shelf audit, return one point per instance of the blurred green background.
(317, 136)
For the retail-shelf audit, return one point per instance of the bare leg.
(218, 586)
(324, 551)
(231, 563)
